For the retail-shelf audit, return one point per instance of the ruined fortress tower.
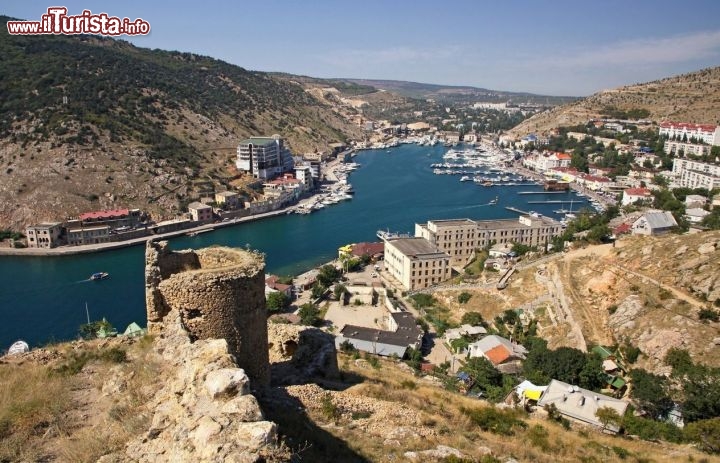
(216, 293)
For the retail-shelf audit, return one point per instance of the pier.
(515, 209)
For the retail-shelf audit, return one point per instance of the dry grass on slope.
(76, 401)
(382, 412)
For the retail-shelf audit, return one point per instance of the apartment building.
(416, 263)
(707, 133)
(675, 147)
(695, 174)
(264, 157)
(459, 238)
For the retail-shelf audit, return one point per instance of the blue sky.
(549, 47)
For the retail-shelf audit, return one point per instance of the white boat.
(386, 235)
(99, 276)
(465, 178)
(18, 347)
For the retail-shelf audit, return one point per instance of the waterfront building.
(45, 235)
(264, 157)
(304, 173)
(460, 238)
(547, 161)
(88, 235)
(678, 147)
(115, 218)
(593, 182)
(227, 200)
(200, 212)
(694, 174)
(683, 131)
(416, 263)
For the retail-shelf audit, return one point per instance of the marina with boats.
(394, 190)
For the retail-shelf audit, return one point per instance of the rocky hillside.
(89, 123)
(692, 97)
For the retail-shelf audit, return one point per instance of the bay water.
(44, 299)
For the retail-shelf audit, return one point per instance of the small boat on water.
(18, 347)
(494, 201)
(99, 276)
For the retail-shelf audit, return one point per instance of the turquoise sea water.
(43, 299)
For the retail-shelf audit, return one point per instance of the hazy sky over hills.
(553, 47)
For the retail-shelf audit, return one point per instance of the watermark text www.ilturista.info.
(57, 21)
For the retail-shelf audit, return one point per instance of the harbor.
(46, 298)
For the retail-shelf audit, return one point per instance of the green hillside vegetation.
(93, 102)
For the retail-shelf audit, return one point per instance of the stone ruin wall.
(218, 293)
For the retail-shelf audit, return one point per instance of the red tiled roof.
(498, 354)
(105, 214)
(622, 228)
(371, 249)
(594, 178)
(637, 192)
(563, 156)
(688, 126)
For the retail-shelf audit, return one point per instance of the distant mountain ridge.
(692, 97)
(455, 93)
(88, 123)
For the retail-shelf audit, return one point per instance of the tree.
(339, 291)
(310, 314)
(317, 290)
(277, 301)
(608, 417)
(472, 319)
(520, 249)
(706, 434)
(464, 297)
(327, 275)
(591, 375)
(483, 372)
(651, 393)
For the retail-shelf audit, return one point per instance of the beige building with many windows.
(44, 235)
(696, 174)
(459, 238)
(88, 235)
(416, 263)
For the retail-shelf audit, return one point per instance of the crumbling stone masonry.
(219, 293)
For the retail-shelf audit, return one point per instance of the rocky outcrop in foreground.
(205, 411)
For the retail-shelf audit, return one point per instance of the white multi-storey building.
(694, 174)
(264, 157)
(683, 131)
